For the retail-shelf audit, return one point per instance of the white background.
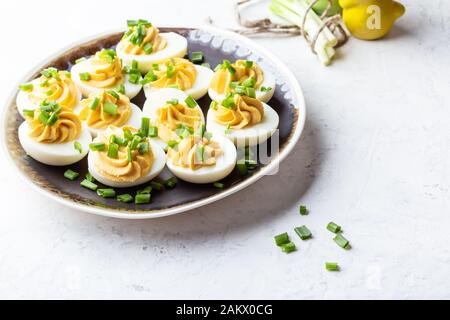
(374, 157)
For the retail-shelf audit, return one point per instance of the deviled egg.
(143, 43)
(174, 114)
(52, 86)
(245, 121)
(243, 75)
(202, 158)
(54, 135)
(109, 108)
(181, 74)
(103, 71)
(123, 157)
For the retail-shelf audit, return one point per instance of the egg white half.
(24, 103)
(223, 167)
(134, 121)
(198, 90)
(54, 154)
(176, 48)
(251, 136)
(269, 82)
(158, 165)
(131, 89)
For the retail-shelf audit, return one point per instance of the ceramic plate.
(216, 45)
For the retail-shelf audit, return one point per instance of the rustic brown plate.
(217, 45)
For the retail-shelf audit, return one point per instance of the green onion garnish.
(341, 241)
(207, 135)
(227, 65)
(94, 104)
(129, 155)
(333, 227)
(282, 239)
(28, 113)
(241, 90)
(219, 185)
(113, 94)
(26, 87)
(201, 153)
(121, 89)
(248, 64)
(85, 76)
(148, 48)
(149, 77)
(127, 134)
(249, 83)
(50, 73)
(172, 101)
(78, 147)
(173, 86)
(266, 89)
(206, 65)
(113, 151)
(288, 247)
(172, 143)
(110, 108)
(251, 93)
(251, 164)
(242, 168)
(213, 105)
(97, 146)
(126, 198)
(49, 93)
(155, 66)
(89, 177)
(132, 23)
(135, 142)
(106, 193)
(89, 185)
(142, 198)
(146, 190)
(303, 210)
(171, 183)
(153, 132)
(170, 69)
(134, 65)
(197, 57)
(190, 102)
(144, 148)
(71, 175)
(303, 232)
(332, 266)
(145, 126)
(157, 186)
(43, 117)
(228, 102)
(134, 78)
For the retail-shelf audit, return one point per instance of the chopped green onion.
(282, 239)
(134, 65)
(219, 185)
(44, 84)
(170, 69)
(113, 151)
(78, 147)
(153, 132)
(213, 105)
(89, 185)
(142, 198)
(333, 227)
(89, 177)
(156, 185)
(145, 126)
(173, 102)
(129, 155)
(144, 148)
(127, 134)
(241, 90)
(94, 104)
(251, 93)
(106, 193)
(97, 146)
(171, 183)
(251, 164)
(242, 168)
(85, 76)
(49, 93)
(132, 23)
(206, 65)
(227, 65)
(266, 89)
(71, 175)
(332, 266)
(135, 142)
(248, 64)
(134, 78)
(303, 232)
(113, 94)
(126, 198)
(50, 73)
(155, 66)
(201, 153)
(173, 86)
(341, 241)
(197, 57)
(172, 143)
(191, 103)
(26, 87)
(303, 210)
(146, 190)
(249, 83)
(53, 118)
(121, 89)
(288, 247)
(229, 102)
(149, 77)
(148, 48)
(110, 108)
(28, 113)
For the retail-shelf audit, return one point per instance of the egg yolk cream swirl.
(52, 123)
(242, 72)
(174, 72)
(122, 155)
(195, 152)
(54, 86)
(238, 112)
(104, 70)
(142, 38)
(105, 109)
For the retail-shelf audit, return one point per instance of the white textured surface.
(374, 158)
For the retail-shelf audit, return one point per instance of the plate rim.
(123, 214)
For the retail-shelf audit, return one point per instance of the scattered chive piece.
(173, 86)
(110, 108)
(157, 186)
(206, 65)
(333, 227)
(146, 190)
(52, 120)
(251, 164)
(288, 247)
(213, 105)
(145, 126)
(113, 150)
(171, 183)
(121, 89)
(126, 198)
(251, 93)
(170, 69)
(148, 48)
(303, 232)
(89, 177)
(266, 89)
(78, 147)
(135, 142)
(242, 168)
(219, 185)
(71, 175)
(89, 185)
(97, 146)
(28, 113)
(134, 78)
(155, 66)
(94, 104)
(143, 148)
(248, 64)
(172, 143)
(106, 193)
(197, 57)
(249, 83)
(127, 134)
(303, 210)
(229, 102)
(153, 132)
(341, 241)
(49, 93)
(241, 90)
(129, 155)
(173, 101)
(113, 94)
(142, 198)
(43, 117)
(282, 239)
(26, 87)
(85, 76)
(332, 266)
(149, 77)
(190, 102)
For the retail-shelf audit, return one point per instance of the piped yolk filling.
(246, 112)
(194, 152)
